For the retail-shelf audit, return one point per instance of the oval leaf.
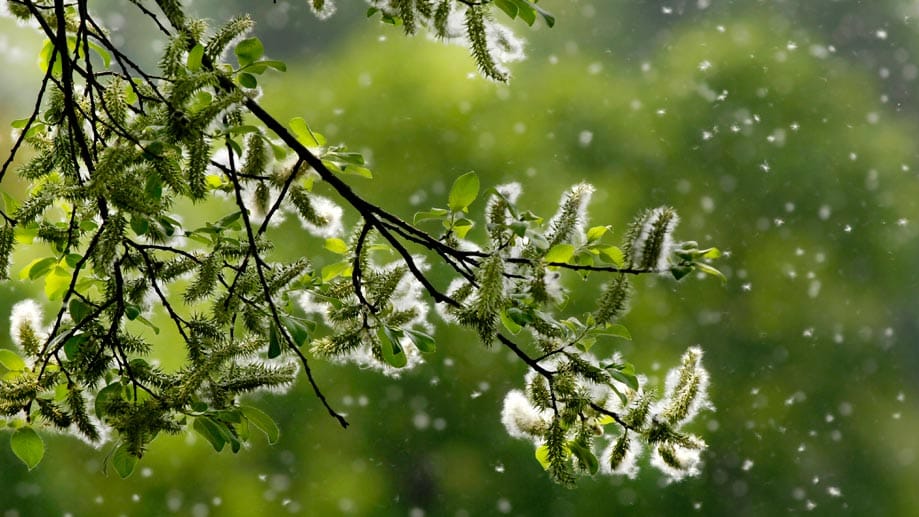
(249, 50)
(123, 461)
(463, 192)
(210, 431)
(422, 341)
(560, 253)
(390, 349)
(11, 361)
(265, 423)
(28, 446)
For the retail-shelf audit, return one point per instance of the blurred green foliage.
(766, 141)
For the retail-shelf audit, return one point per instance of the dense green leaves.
(113, 156)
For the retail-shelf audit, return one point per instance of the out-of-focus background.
(782, 131)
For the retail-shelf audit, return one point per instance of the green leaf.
(103, 54)
(508, 7)
(624, 373)
(123, 461)
(111, 392)
(526, 11)
(596, 233)
(304, 134)
(265, 423)
(37, 268)
(299, 332)
(131, 311)
(11, 360)
(249, 50)
(280, 66)
(336, 245)
(560, 253)
(79, 310)
(274, 342)
(73, 344)
(211, 432)
(614, 329)
(546, 15)
(613, 254)
(585, 456)
(57, 282)
(423, 342)
(463, 192)
(332, 271)
(28, 446)
(461, 227)
(512, 326)
(710, 253)
(356, 170)
(542, 456)
(148, 323)
(194, 58)
(248, 80)
(709, 270)
(434, 213)
(390, 349)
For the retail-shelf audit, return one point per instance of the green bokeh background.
(783, 132)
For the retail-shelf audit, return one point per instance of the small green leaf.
(585, 456)
(356, 170)
(304, 134)
(111, 392)
(461, 227)
(463, 192)
(265, 423)
(37, 268)
(28, 446)
(57, 282)
(434, 213)
(79, 310)
(596, 233)
(280, 66)
(123, 461)
(248, 80)
(131, 311)
(336, 245)
(11, 360)
(560, 253)
(248, 51)
(508, 7)
(526, 11)
(211, 432)
(709, 270)
(102, 53)
(274, 342)
(390, 349)
(613, 254)
(614, 329)
(332, 271)
(624, 373)
(512, 326)
(546, 15)
(299, 333)
(194, 58)
(710, 253)
(423, 342)
(542, 456)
